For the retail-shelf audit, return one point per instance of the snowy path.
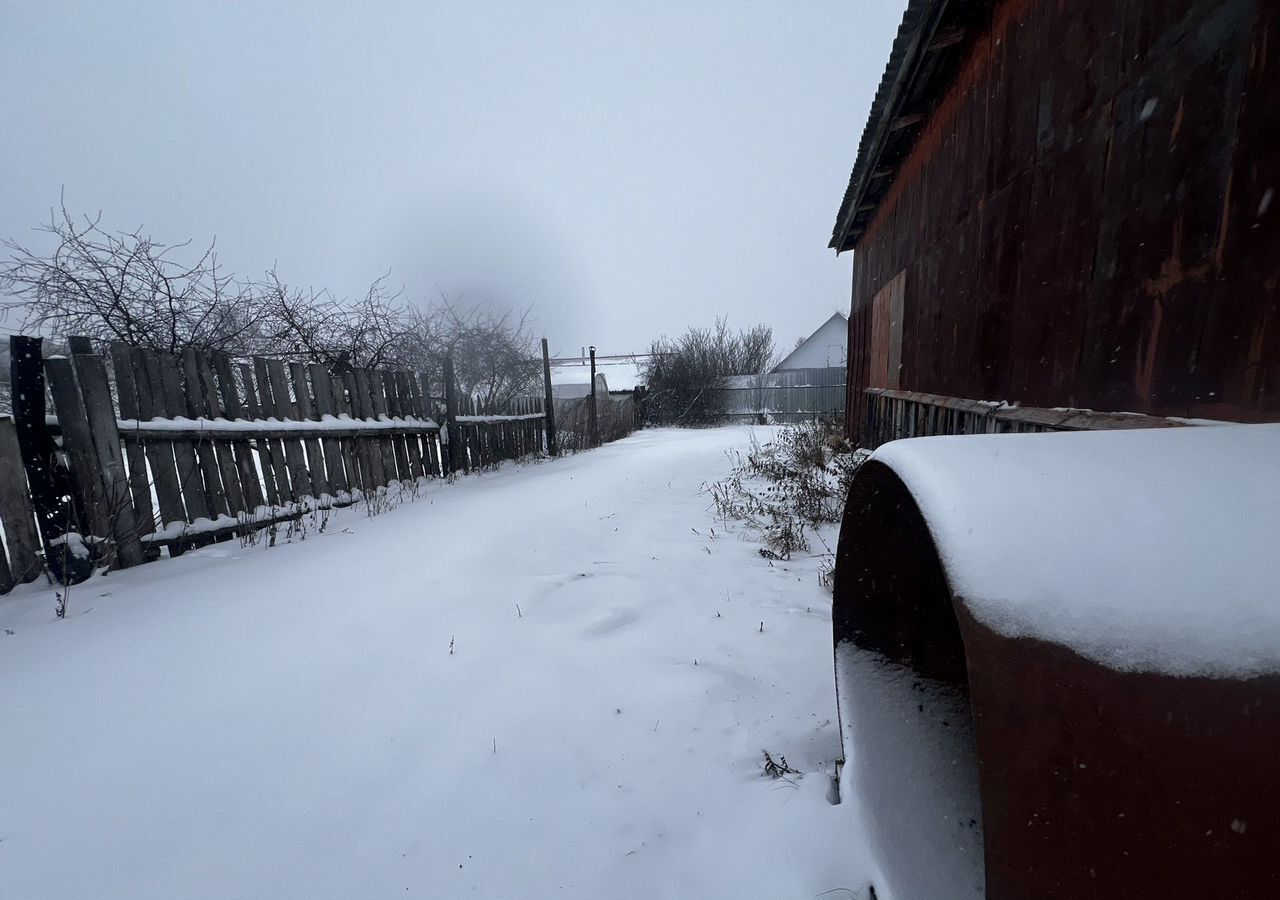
(289, 722)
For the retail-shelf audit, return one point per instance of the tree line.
(127, 286)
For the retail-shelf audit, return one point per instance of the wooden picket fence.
(488, 433)
(172, 451)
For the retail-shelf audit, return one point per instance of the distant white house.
(826, 348)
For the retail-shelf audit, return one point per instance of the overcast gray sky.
(628, 168)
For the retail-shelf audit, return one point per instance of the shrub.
(681, 374)
(787, 487)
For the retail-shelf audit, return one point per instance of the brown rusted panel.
(1104, 784)
(1051, 292)
(1239, 359)
(1172, 128)
(1000, 250)
(920, 353)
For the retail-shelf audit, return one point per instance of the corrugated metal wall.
(786, 395)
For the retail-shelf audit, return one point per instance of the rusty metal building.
(1071, 204)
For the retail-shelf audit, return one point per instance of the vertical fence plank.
(127, 397)
(77, 442)
(7, 581)
(408, 410)
(196, 407)
(353, 449)
(335, 462)
(170, 402)
(202, 400)
(275, 470)
(363, 407)
(415, 409)
(306, 410)
(49, 482)
(366, 452)
(16, 510)
(394, 460)
(159, 453)
(432, 440)
(418, 388)
(274, 394)
(376, 409)
(241, 452)
(91, 374)
(393, 411)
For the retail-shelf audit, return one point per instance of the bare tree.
(682, 374)
(371, 331)
(127, 286)
(494, 351)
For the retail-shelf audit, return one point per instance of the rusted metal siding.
(1084, 219)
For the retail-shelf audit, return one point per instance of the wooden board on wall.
(886, 333)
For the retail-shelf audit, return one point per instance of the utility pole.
(455, 456)
(593, 429)
(551, 409)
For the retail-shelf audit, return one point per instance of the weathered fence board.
(202, 401)
(77, 443)
(159, 453)
(127, 397)
(123, 519)
(352, 455)
(335, 466)
(241, 450)
(16, 513)
(283, 407)
(304, 409)
(259, 387)
(170, 403)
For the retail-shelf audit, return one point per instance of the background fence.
(149, 453)
(616, 417)
(787, 395)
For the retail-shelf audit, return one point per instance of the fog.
(626, 169)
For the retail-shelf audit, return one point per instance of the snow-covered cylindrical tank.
(1089, 627)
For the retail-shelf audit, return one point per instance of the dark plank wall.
(1069, 243)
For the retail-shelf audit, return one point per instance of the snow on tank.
(1144, 550)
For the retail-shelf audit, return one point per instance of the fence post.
(451, 416)
(593, 424)
(551, 410)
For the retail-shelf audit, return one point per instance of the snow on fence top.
(1142, 550)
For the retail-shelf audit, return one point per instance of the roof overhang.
(932, 41)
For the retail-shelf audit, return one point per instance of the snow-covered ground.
(550, 681)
